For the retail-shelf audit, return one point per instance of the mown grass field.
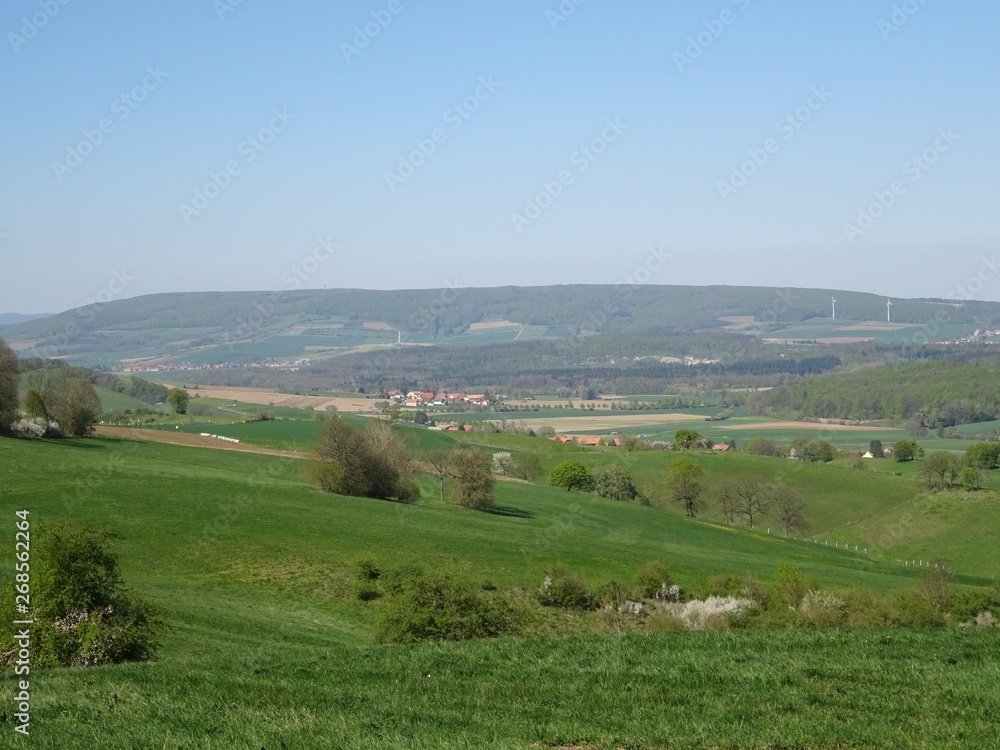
(267, 647)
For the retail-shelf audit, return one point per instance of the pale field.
(272, 397)
(608, 422)
(487, 324)
(738, 322)
(876, 327)
(823, 340)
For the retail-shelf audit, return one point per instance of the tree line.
(929, 395)
(39, 398)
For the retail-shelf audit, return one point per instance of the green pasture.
(267, 647)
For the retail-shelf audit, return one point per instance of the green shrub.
(910, 609)
(367, 570)
(615, 594)
(789, 586)
(439, 607)
(562, 588)
(651, 578)
(396, 580)
(83, 615)
(366, 591)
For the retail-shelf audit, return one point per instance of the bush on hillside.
(441, 608)
(363, 463)
(653, 579)
(83, 615)
(564, 589)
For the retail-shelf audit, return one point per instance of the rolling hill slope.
(230, 326)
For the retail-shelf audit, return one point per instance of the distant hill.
(13, 318)
(213, 327)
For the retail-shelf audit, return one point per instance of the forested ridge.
(930, 394)
(226, 316)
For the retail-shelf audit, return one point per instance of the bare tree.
(440, 466)
(751, 501)
(726, 499)
(790, 506)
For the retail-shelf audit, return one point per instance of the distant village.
(429, 398)
(978, 336)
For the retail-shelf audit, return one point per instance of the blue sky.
(849, 145)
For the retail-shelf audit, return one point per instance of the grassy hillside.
(267, 646)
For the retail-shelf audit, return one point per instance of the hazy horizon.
(218, 146)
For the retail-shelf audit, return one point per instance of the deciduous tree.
(178, 399)
(684, 483)
(615, 483)
(907, 450)
(472, 479)
(572, 475)
(790, 508)
(8, 386)
(687, 439)
(751, 501)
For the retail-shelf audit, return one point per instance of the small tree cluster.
(686, 439)
(749, 498)
(941, 470)
(372, 462)
(907, 450)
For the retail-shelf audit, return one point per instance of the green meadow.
(266, 645)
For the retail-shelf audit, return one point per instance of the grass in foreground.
(788, 689)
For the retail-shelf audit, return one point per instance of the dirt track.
(192, 441)
(197, 441)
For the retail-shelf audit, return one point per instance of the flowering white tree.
(503, 463)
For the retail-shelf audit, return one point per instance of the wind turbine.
(888, 311)
(834, 302)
